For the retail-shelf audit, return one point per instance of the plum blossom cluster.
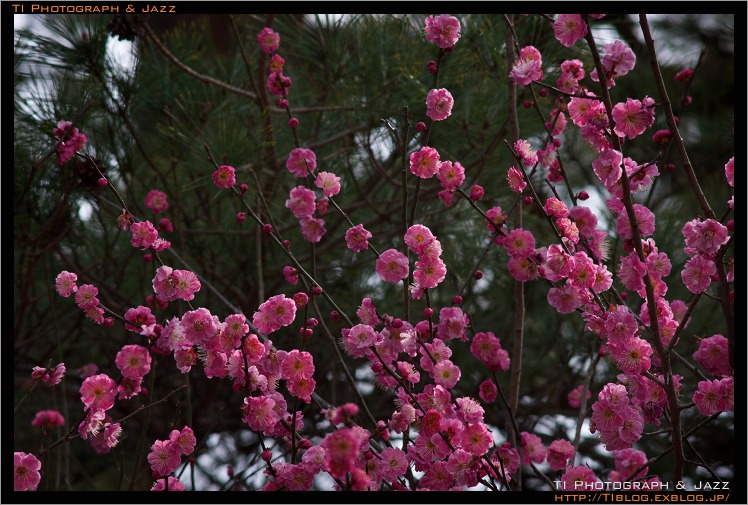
(703, 241)
(450, 442)
(430, 269)
(166, 456)
(69, 139)
(86, 296)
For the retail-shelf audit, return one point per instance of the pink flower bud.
(543, 92)
(287, 244)
(583, 195)
(267, 229)
(241, 216)
(527, 200)
(102, 182)
(147, 257)
(457, 300)
(267, 455)
(527, 104)
(300, 299)
(477, 275)
(316, 290)
(293, 122)
(476, 192)
(420, 126)
(428, 312)
(243, 188)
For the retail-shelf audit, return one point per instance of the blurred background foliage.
(147, 122)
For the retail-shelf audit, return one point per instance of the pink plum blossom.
(392, 266)
(439, 104)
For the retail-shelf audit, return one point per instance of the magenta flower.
(133, 361)
(565, 299)
(519, 243)
(342, 446)
(48, 419)
(72, 141)
(144, 234)
(199, 325)
(443, 30)
(359, 338)
(704, 237)
(224, 177)
(532, 449)
(297, 365)
(279, 84)
(26, 475)
(167, 484)
(439, 104)
(156, 201)
(269, 40)
(276, 63)
(712, 354)
(528, 67)
(418, 237)
(429, 272)
(632, 118)
(559, 452)
(184, 441)
(274, 313)
(393, 463)
(644, 217)
(164, 457)
(329, 183)
(301, 202)
(516, 180)
(137, 317)
(526, 152)
(451, 175)
(65, 283)
(569, 28)
(632, 355)
(392, 266)
(312, 229)
(446, 374)
(98, 392)
(575, 478)
(619, 59)
(476, 439)
(107, 437)
(301, 159)
(710, 397)
(730, 171)
(357, 238)
(424, 163)
(697, 274)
